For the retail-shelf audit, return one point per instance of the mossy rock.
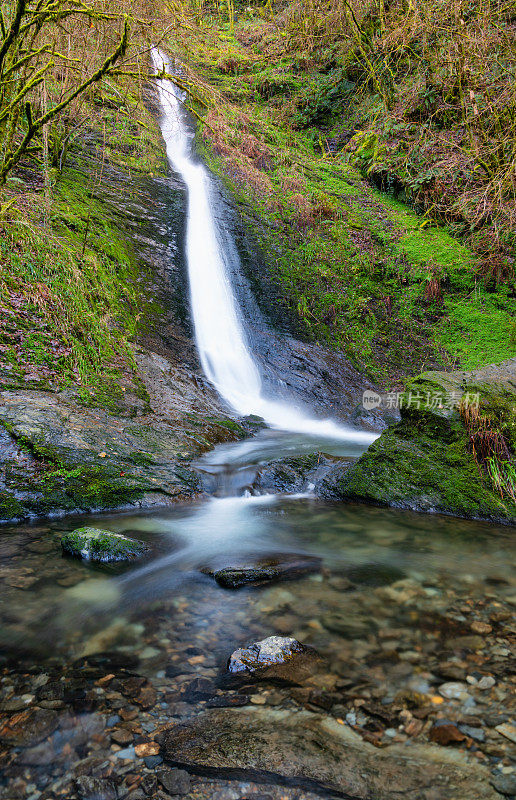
(423, 463)
(10, 507)
(92, 544)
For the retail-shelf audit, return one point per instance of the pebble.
(174, 781)
(151, 762)
(487, 682)
(507, 730)
(122, 736)
(146, 749)
(150, 652)
(445, 732)
(258, 699)
(483, 628)
(16, 703)
(129, 752)
(454, 691)
(474, 733)
(501, 651)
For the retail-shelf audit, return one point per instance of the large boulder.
(277, 658)
(93, 544)
(425, 462)
(318, 753)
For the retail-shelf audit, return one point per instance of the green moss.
(142, 458)
(93, 544)
(10, 507)
(425, 461)
(477, 331)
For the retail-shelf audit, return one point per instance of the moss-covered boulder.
(93, 544)
(426, 461)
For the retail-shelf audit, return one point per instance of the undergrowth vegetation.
(72, 80)
(492, 439)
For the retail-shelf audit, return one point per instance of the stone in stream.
(28, 727)
(283, 566)
(277, 658)
(314, 751)
(89, 788)
(174, 781)
(93, 544)
(505, 784)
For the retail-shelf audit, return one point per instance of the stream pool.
(398, 605)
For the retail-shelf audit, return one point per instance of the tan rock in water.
(317, 752)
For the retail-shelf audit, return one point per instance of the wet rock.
(487, 682)
(89, 788)
(466, 643)
(507, 730)
(275, 658)
(373, 574)
(274, 568)
(16, 703)
(228, 701)
(146, 749)
(348, 625)
(174, 781)
(29, 728)
(198, 689)
(291, 475)
(147, 697)
(122, 737)
(445, 732)
(474, 733)
(505, 784)
(454, 690)
(92, 544)
(316, 752)
(483, 628)
(151, 762)
(127, 753)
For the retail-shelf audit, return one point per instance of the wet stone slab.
(316, 753)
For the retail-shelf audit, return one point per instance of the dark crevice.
(266, 777)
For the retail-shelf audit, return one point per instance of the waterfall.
(225, 354)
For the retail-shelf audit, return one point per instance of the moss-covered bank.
(431, 461)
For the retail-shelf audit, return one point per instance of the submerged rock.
(274, 568)
(89, 788)
(425, 463)
(279, 658)
(93, 544)
(316, 752)
(29, 727)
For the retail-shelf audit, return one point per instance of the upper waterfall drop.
(220, 338)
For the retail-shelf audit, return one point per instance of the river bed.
(412, 616)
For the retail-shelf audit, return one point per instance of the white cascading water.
(225, 356)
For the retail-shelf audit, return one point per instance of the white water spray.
(225, 355)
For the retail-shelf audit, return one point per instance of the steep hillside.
(318, 118)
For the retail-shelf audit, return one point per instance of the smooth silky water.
(53, 605)
(221, 341)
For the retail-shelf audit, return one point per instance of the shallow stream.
(390, 607)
